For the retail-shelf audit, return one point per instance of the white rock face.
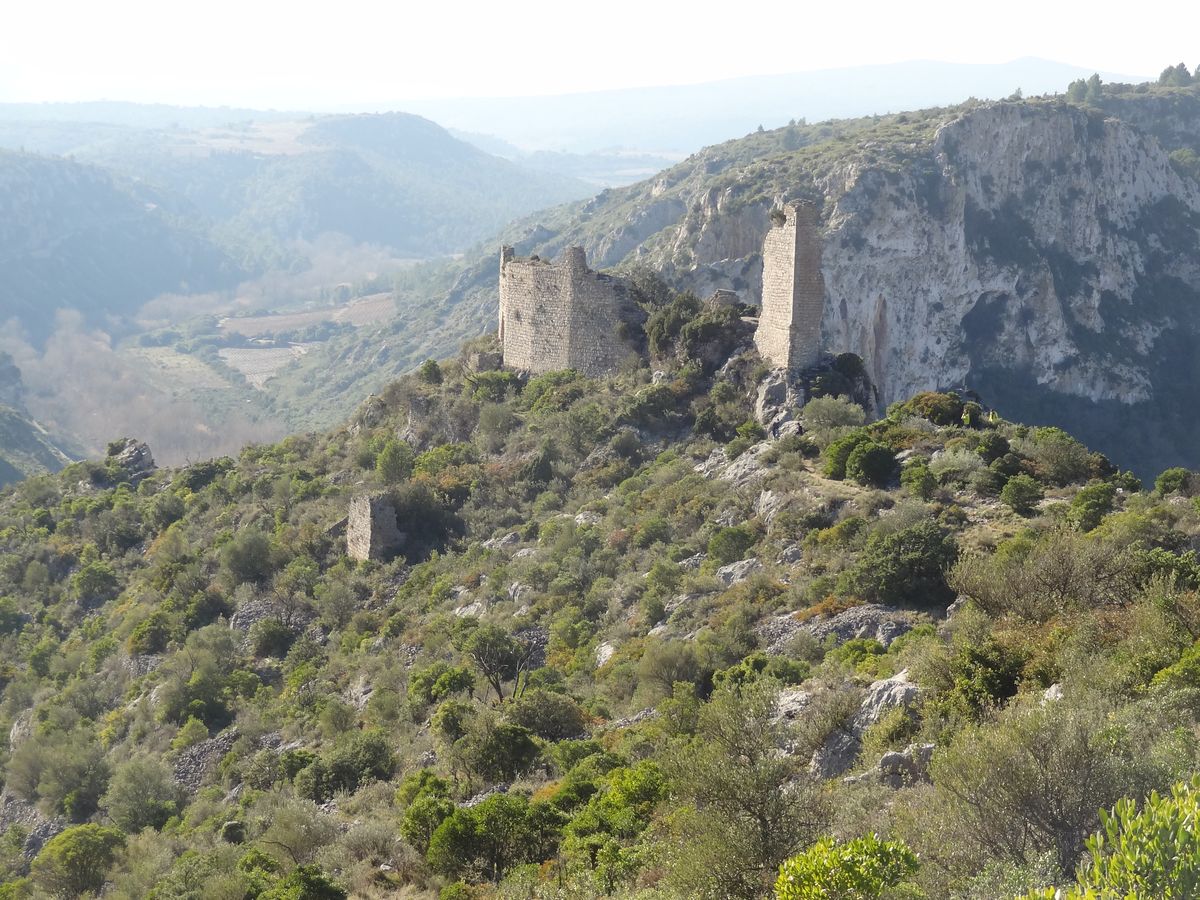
(1026, 227)
(1012, 242)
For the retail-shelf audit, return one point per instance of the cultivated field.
(362, 311)
(260, 365)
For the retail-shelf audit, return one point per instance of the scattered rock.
(768, 505)
(692, 563)
(39, 835)
(869, 620)
(791, 555)
(637, 718)
(134, 457)
(518, 592)
(1052, 693)
(471, 610)
(141, 664)
(359, 692)
(525, 553)
(504, 542)
(792, 702)
(777, 632)
(738, 571)
(586, 518)
(199, 759)
(22, 729)
(748, 467)
(484, 794)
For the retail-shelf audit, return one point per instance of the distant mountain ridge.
(684, 118)
(139, 213)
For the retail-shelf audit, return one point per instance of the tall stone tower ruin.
(563, 315)
(793, 291)
(372, 529)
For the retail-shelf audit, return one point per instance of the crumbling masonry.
(793, 291)
(372, 531)
(564, 316)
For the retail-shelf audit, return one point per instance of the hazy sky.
(320, 55)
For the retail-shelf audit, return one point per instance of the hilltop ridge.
(943, 229)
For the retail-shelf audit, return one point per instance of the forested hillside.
(633, 648)
(74, 236)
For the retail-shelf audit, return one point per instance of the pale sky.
(301, 54)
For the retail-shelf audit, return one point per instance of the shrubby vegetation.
(570, 682)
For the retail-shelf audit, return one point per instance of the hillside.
(1038, 251)
(26, 449)
(74, 236)
(631, 648)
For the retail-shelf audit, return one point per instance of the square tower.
(793, 291)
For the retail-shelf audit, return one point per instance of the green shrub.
(1091, 505)
(1153, 851)
(938, 408)
(75, 862)
(270, 637)
(1174, 481)
(860, 869)
(918, 480)
(394, 463)
(905, 567)
(871, 463)
(730, 543)
(1021, 494)
(838, 453)
(430, 372)
(550, 716)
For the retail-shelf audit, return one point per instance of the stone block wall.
(563, 315)
(372, 530)
(793, 291)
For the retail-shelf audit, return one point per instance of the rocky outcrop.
(134, 457)
(869, 620)
(843, 744)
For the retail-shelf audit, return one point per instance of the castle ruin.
(793, 291)
(563, 315)
(372, 529)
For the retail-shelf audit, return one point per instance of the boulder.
(132, 456)
(739, 571)
(790, 555)
(899, 768)
(604, 653)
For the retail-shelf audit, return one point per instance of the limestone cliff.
(1044, 254)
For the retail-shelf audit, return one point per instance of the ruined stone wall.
(563, 315)
(372, 531)
(793, 291)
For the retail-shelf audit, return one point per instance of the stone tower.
(372, 530)
(562, 315)
(793, 291)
